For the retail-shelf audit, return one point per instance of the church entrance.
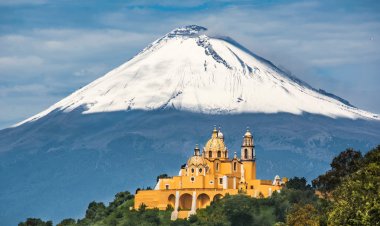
(185, 201)
(203, 200)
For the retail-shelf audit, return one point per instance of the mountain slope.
(188, 70)
(144, 118)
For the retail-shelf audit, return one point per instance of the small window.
(217, 166)
(192, 179)
(219, 154)
(192, 170)
(221, 180)
(210, 154)
(211, 182)
(234, 166)
(166, 186)
(200, 170)
(251, 186)
(245, 153)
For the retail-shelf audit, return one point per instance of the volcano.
(144, 117)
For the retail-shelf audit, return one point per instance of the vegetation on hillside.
(350, 195)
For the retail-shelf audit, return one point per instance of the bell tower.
(248, 156)
(248, 147)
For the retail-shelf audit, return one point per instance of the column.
(225, 182)
(270, 192)
(234, 186)
(174, 215)
(193, 204)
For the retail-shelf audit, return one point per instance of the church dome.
(248, 134)
(215, 147)
(215, 143)
(196, 161)
(220, 135)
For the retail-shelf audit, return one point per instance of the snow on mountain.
(188, 70)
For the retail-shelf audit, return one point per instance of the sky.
(49, 49)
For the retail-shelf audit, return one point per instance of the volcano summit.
(120, 130)
(187, 70)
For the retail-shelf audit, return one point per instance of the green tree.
(298, 183)
(180, 222)
(373, 156)
(67, 222)
(346, 163)
(357, 199)
(95, 211)
(150, 216)
(237, 210)
(35, 222)
(303, 215)
(119, 199)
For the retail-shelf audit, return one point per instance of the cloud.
(14, 62)
(41, 66)
(64, 52)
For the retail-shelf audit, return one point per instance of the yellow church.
(209, 175)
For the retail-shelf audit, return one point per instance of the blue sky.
(48, 49)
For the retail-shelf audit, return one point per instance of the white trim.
(225, 182)
(193, 204)
(157, 187)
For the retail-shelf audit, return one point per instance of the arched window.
(210, 154)
(225, 154)
(217, 167)
(234, 166)
(245, 153)
(219, 154)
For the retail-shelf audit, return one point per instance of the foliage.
(180, 222)
(35, 222)
(67, 222)
(373, 156)
(119, 199)
(95, 211)
(297, 183)
(301, 215)
(344, 164)
(357, 199)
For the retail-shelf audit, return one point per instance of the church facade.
(207, 176)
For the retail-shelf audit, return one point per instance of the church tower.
(248, 156)
(248, 147)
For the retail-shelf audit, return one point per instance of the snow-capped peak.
(187, 70)
(188, 31)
